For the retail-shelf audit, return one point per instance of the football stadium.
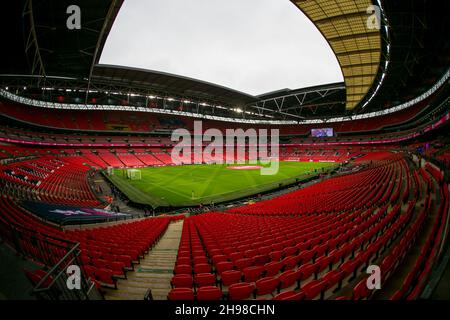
(120, 182)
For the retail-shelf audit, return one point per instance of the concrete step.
(154, 272)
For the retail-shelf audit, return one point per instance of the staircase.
(154, 272)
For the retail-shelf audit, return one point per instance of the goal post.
(110, 171)
(134, 174)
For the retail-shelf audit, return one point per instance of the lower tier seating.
(107, 253)
(313, 248)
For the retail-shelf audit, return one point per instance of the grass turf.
(194, 184)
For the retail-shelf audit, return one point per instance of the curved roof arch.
(344, 24)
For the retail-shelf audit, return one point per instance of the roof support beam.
(345, 16)
(347, 53)
(37, 66)
(111, 15)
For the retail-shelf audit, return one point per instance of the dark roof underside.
(161, 82)
(37, 42)
(40, 43)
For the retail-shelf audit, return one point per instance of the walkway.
(154, 272)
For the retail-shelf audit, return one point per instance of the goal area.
(134, 174)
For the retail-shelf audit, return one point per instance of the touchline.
(210, 145)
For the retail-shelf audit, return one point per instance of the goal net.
(134, 174)
(110, 171)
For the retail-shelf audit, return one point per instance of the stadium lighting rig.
(383, 68)
(40, 103)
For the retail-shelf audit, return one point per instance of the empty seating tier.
(305, 246)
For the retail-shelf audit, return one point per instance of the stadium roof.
(358, 48)
(40, 43)
(169, 84)
(41, 52)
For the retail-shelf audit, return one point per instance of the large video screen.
(321, 133)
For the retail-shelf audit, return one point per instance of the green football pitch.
(194, 184)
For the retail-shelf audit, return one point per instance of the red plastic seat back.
(182, 281)
(307, 270)
(288, 278)
(266, 285)
(240, 291)
(290, 295)
(361, 291)
(251, 274)
(241, 264)
(230, 277)
(202, 268)
(183, 269)
(205, 279)
(181, 294)
(272, 268)
(223, 266)
(209, 293)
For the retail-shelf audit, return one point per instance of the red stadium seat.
(324, 264)
(290, 251)
(236, 256)
(205, 279)
(182, 281)
(266, 285)
(181, 294)
(202, 268)
(241, 291)
(223, 266)
(218, 258)
(276, 255)
(307, 271)
(243, 263)
(306, 256)
(251, 274)
(230, 277)
(260, 260)
(290, 262)
(106, 276)
(290, 295)
(209, 293)
(272, 268)
(200, 260)
(183, 260)
(117, 267)
(361, 291)
(334, 280)
(289, 280)
(183, 269)
(314, 289)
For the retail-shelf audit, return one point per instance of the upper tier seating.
(130, 160)
(85, 138)
(148, 159)
(145, 122)
(111, 159)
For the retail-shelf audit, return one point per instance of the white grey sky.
(254, 46)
